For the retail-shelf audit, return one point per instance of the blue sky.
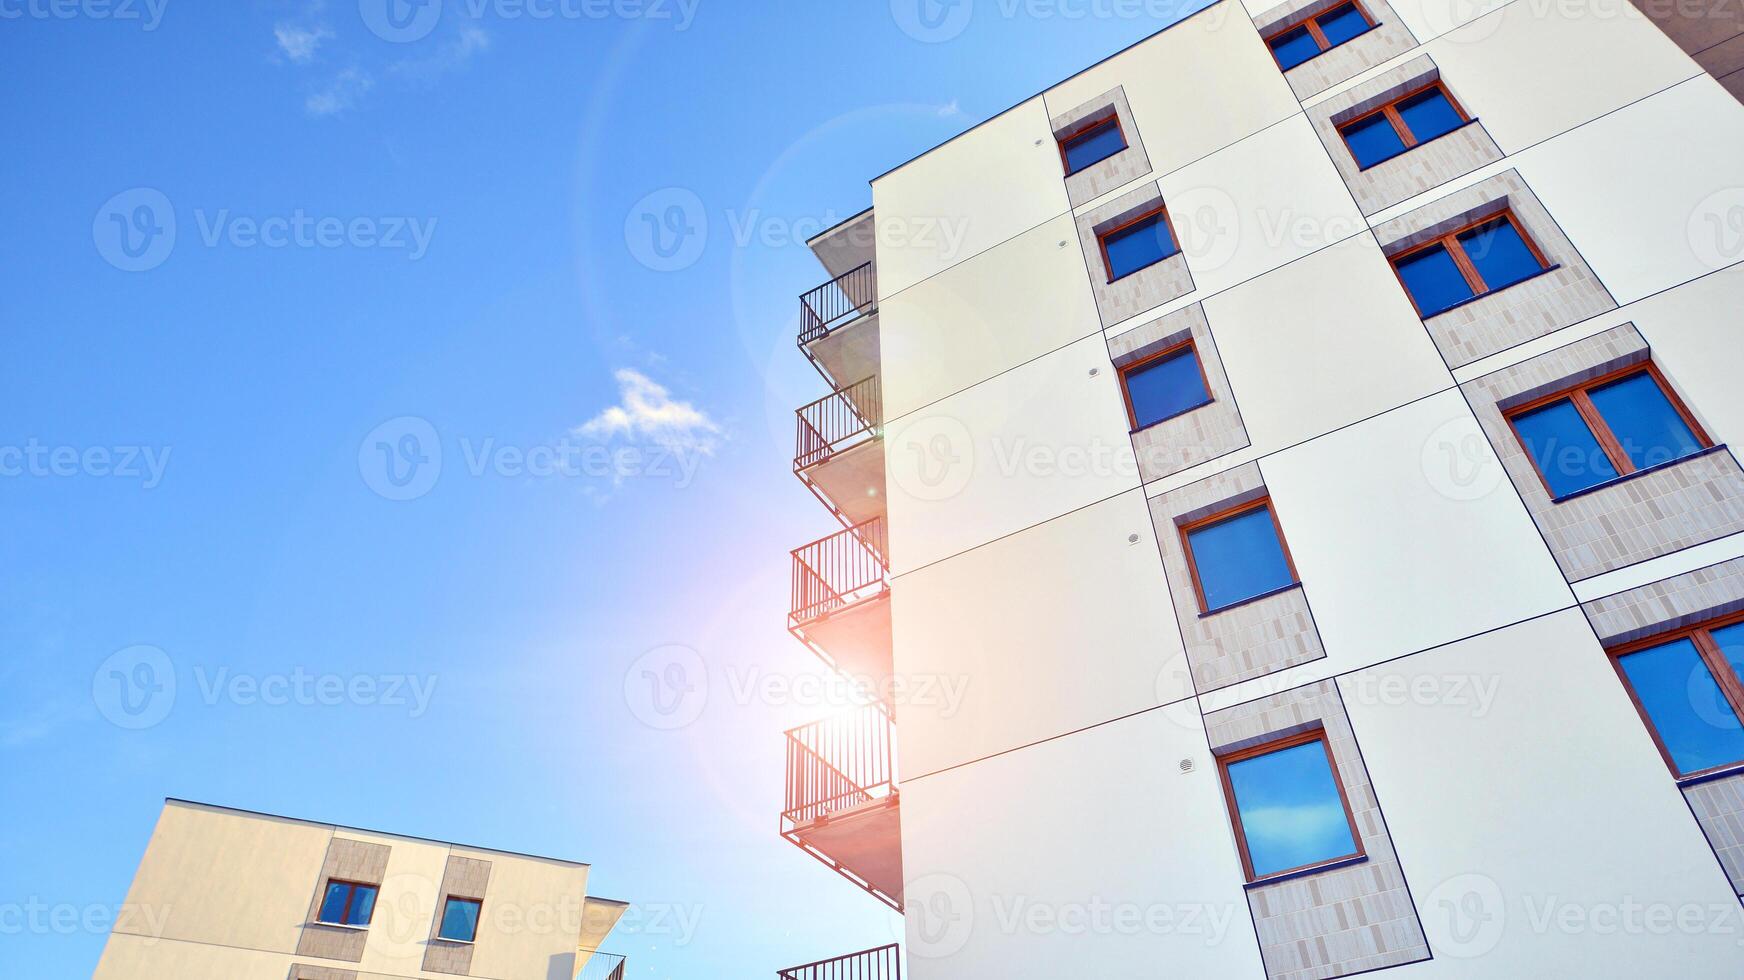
(412, 460)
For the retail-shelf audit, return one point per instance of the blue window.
(1466, 264)
(347, 903)
(460, 920)
(1289, 809)
(1605, 429)
(1164, 386)
(1319, 34)
(1238, 557)
(1398, 126)
(1687, 689)
(1093, 145)
(1138, 244)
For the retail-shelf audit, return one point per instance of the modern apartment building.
(230, 895)
(1287, 508)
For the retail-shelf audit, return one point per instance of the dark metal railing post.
(839, 570)
(883, 963)
(838, 421)
(847, 297)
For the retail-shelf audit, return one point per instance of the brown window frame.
(1103, 236)
(1390, 109)
(1315, 734)
(477, 921)
(1467, 268)
(1085, 128)
(1238, 510)
(1314, 31)
(350, 897)
(1608, 442)
(1149, 359)
(1730, 684)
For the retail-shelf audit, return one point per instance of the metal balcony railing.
(835, 572)
(603, 966)
(839, 421)
(838, 302)
(839, 764)
(884, 963)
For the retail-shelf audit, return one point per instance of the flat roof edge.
(838, 226)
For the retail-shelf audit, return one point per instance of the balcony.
(838, 326)
(884, 963)
(601, 966)
(840, 604)
(839, 452)
(842, 799)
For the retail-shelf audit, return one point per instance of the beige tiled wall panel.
(1719, 808)
(302, 972)
(1194, 437)
(1247, 641)
(1143, 290)
(1346, 920)
(1389, 39)
(463, 878)
(1511, 316)
(351, 860)
(1692, 502)
(1421, 169)
(1118, 170)
(1673, 603)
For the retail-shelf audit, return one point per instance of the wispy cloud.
(340, 93)
(299, 43)
(453, 54)
(40, 722)
(950, 109)
(647, 412)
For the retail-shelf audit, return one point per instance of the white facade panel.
(1069, 620)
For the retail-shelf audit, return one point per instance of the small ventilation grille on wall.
(1186, 765)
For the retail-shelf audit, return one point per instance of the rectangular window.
(1687, 687)
(1092, 145)
(1238, 555)
(1473, 261)
(1289, 806)
(1610, 427)
(347, 903)
(1138, 244)
(1319, 34)
(460, 920)
(1407, 122)
(1164, 385)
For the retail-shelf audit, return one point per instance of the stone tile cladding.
(463, 878)
(303, 972)
(1345, 920)
(1420, 169)
(1143, 290)
(1246, 641)
(1194, 437)
(1389, 39)
(1719, 808)
(1694, 501)
(1511, 316)
(348, 860)
(1118, 170)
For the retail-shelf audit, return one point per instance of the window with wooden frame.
(1163, 385)
(1092, 142)
(1138, 244)
(1686, 685)
(347, 903)
(1469, 262)
(1605, 429)
(1301, 42)
(460, 920)
(1402, 125)
(1289, 807)
(1238, 555)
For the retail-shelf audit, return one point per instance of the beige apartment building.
(1301, 445)
(226, 894)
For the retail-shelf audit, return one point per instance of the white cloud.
(339, 94)
(949, 109)
(647, 412)
(453, 54)
(300, 43)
